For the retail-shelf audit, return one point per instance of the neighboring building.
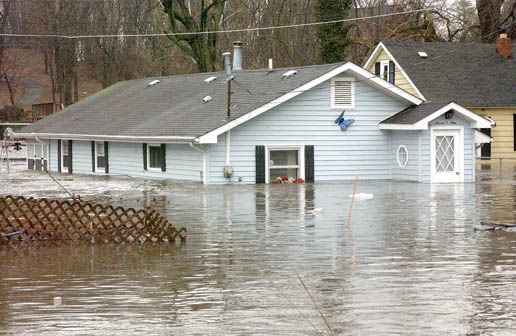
(283, 122)
(478, 76)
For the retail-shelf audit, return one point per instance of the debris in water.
(363, 196)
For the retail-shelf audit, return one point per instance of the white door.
(447, 155)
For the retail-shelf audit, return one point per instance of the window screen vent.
(343, 93)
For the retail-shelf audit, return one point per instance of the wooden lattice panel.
(30, 219)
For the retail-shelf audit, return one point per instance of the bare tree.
(111, 59)
(489, 16)
(205, 17)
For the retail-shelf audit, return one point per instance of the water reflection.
(409, 262)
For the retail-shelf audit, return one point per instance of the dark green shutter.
(144, 156)
(58, 156)
(309, 163)
(513, 131)
(377, 68)
(260, 164)
(391, 72)
(163, 157)
(93, 156)
(70, 151)
(106, 156)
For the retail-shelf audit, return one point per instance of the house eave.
(96, 137)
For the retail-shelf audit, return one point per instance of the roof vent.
(154, 82)
(289, 73)
(206, 99)
(422, 54)
(237, 55)
(210, 79)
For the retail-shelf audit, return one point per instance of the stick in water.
(352, 200)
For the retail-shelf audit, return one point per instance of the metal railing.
(502, 163)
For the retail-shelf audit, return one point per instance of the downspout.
(204, 162)
(228, 170)
(228, 148)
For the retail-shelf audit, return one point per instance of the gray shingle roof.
(175, 106)
(472, 75)
(413, 114)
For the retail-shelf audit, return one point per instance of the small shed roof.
(418, 117)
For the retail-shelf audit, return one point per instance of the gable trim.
(373, 57)
(423, 124)
(211, 137)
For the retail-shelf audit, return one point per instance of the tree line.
(100, 36)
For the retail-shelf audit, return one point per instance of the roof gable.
(374, 57)
(471, 74)
(348, 68)
(419, 117)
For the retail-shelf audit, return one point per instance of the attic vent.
(210, 79)
(289, 73)
(422, 54)
(342, 92)
(154, 82)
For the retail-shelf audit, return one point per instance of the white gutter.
(93, 137)
(204, 162)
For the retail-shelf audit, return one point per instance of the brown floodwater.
(275, 260)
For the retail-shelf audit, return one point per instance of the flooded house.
(478, 76)
(300, 124)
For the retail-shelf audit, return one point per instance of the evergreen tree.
(333, 37)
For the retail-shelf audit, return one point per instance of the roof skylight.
(422, 54)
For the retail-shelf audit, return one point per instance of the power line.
(216, 31)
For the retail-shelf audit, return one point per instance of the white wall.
(308, 119)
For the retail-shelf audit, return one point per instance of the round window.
(402, 156)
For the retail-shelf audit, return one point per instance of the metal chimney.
(227, 63)
(237, 55)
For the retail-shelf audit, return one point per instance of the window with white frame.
(343, 93)
(384, 70)
(100, 156)
(284, 162)
(402, 156)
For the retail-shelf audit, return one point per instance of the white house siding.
(183, 162)
(409, 139)
(308, 119)
(126, 159)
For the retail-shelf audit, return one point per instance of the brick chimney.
(503, 45)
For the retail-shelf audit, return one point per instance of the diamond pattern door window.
(445, 153)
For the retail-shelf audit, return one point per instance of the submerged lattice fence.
(30, 219)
